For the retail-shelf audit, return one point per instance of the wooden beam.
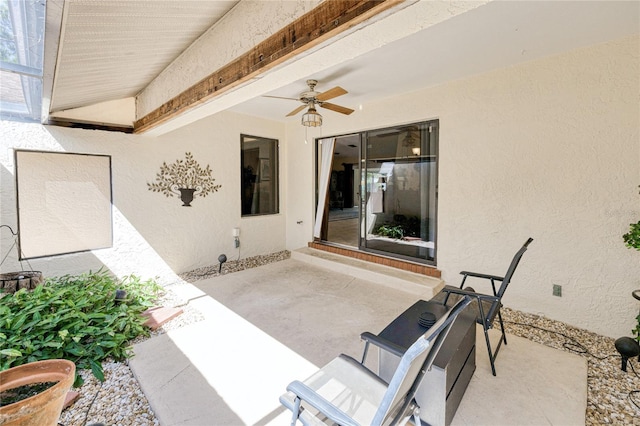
(327, 20)
(81, 124)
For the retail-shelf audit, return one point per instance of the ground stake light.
(222, 258)
(627, 346)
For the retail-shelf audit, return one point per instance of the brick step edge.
(159, 315)
(71, 397)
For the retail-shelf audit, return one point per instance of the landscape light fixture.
(222, 258)
(628, 347)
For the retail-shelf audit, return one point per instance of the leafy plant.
(636, 330)
(184, 174)
(632, 238)
(75, 318)
(391, 231)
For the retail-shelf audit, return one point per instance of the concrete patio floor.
(267, 326)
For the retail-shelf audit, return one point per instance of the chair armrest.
(308, 395)
(471, 293)
(383, 343)
(477, 275)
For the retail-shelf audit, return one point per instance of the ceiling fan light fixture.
(311, 118)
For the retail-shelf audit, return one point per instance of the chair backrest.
(512, 268)
(413, 364)
(495, 306)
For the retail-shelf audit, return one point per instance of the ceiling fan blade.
(280, 97)
(297, 110)
(331, 93)
(336, 108)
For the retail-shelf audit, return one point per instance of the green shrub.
(75, 318)
(632, 238)
(391, 231)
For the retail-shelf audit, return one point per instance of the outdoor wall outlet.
(236, 237)
(557, 290)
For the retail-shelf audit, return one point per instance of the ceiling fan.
(311, 98)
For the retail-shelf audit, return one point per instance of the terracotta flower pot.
(44, 408)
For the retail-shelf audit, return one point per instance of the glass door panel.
(399, 182)
(342, 192)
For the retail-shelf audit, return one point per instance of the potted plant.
(33, 405)
(185, 178)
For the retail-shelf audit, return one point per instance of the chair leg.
(503, 338)
(504, 335)
(364, 354)
(417, 421)
(296, 411)
(485, 327)
(491, 358)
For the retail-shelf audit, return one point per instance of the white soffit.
(112, 49)
(495, 35)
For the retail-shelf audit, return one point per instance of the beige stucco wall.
(153, 234)
(548, 149)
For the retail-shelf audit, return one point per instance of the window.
(259, 175)
(21, 54)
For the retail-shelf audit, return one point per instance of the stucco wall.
(548, 149)
(153, 235)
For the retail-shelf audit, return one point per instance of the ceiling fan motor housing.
(307, 97)
(310, 95)
(311, 98)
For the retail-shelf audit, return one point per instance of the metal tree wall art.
(185, 178)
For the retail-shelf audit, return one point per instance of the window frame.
(267, 174)
(23, 71)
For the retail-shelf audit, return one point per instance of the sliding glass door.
(377, 191)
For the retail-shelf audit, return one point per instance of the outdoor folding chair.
(488, 306)
(345, 392)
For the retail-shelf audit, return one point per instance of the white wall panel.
(64, 202)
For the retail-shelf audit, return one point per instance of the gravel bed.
(609, 398)
(118, 401)
(234, 266)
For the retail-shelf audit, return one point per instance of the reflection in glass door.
(343, 191)
(398, 183)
